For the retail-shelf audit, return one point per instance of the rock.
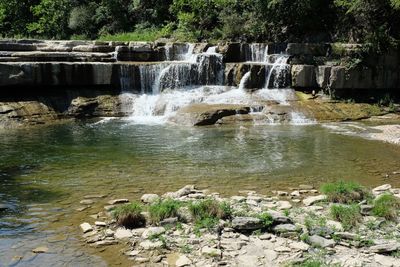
(386, 260)
(169, 221)
(337, 226)
(280, 193)
(295, 193)
(183, 261)
(282, 249)
(184, 214)
(299, 246)
(265, 236)
(246, 223)
(315, 199)
(94, 196)
(132, 253)
(80, 209)
(380, 189)
(118, 201)
(284, 205)
(100, 224)
(39, 250)
(211, 252)
(346, 235)
(150, 198)
(238, 199)
(149, 245)
(86, 227)
(153, 231)
(366, 209)
(109, 233)
(318, 241)
(142, 259)
(385, 248)
(284, 228)
(86, 202)
(3, 207)
(122, 233)
(303, 76)
(278, 217)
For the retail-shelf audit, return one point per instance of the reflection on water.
(45, 172)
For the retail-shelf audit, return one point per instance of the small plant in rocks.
(163, 209)
(266, 220)
(129, 215)
(210, 208)
(386, 206)
(348, 215)
(344, 192)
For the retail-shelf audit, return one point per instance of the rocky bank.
(282, 229)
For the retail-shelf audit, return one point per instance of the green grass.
(348, 215)
(164, 209)
(145, 35)
(312, 221)
(129, 215)
(386, 206)
(344, 192)
(208, 212)
(266, 220)
(310, 263)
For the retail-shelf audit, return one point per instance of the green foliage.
(310, 263)
(348, 215)
(210, 208)
(266, 220)
(386, 206)
(344, 191)
(147, 35)
(163, 209)
(312, 221)
(129, 215)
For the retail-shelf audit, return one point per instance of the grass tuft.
(348, 215)
(345, 192)
(386, 206)
(129, 215)
(163, 209)
(266, 220)
(207, 213)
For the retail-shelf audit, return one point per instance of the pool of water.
(45, 172)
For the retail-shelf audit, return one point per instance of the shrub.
(129, 215)
(348, 215)
(344, 192)
(386, 206)
(163, 209)
(210, 208)
(266, 220)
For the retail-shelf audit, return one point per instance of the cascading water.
(188, 77)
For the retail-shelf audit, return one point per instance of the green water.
(46, 171)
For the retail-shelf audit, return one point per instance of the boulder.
(149, 245)
(284, 228)
(246, 223)
(153, 231)
(86, 227)
(314, 199)
(278, 217)
(122, 233)
(183, 261)
(385, 248)
(319, 241)
(150, 198)
(211, 252)
(380, 189)
(303, 76)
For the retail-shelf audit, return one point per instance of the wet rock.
(3, 207)
(211, 252)
(122, 233)
(94, 196)
(385, 248)
(153, 231)
(80, 209)
(100, 224)
(118, 201)
(246, 223)
(149, 245)
(150, 198)
(86, 202)
(183, 261)
(40, 250)
(86, 227)
(319, 241)
(315, 199)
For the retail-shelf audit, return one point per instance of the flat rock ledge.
(280, 229)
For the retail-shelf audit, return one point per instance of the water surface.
(46, 171)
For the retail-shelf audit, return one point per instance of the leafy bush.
(348, 215)
(386, 206)
(129, 215)
(266, 220)
(163, 209)
(344, 192)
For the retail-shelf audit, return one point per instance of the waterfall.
(279, 69)
(244, 80)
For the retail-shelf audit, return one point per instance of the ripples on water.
(45, 172)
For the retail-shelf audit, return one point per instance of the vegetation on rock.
(163, 209)
(386, 206)
(344, 191)
(348, 215)
(129, 215)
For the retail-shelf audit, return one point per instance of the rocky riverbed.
(282, 229)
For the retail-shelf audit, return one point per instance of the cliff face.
(44, 80)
